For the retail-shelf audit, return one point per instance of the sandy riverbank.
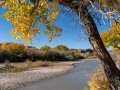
(10, 81)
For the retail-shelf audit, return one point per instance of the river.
(75, 79)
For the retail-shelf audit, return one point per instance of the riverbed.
(75, 79)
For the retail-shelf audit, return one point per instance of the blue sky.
(71, 36)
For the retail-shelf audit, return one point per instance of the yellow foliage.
(24, 15)
(3, 45)
(60, 48)
(15, 47)
(45, 48)
(112, 37)
(99, 81)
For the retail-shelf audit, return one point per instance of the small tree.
(61, 48)
(45, 48)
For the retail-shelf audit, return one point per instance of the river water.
(75, 79)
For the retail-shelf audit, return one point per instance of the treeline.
(17, 52)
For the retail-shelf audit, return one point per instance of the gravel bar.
(11, 81)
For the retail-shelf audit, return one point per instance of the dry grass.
(17, 67)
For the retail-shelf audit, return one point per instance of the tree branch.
(3, 3)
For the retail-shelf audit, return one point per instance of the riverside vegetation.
(99, 80)
(110, 38)
(17, 52)
(18, 57)
(18, 67)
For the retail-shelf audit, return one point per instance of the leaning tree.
(24, 15)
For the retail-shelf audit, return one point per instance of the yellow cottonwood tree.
(15, 47)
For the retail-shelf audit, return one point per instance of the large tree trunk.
(111, 71)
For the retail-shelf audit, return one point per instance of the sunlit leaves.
(112, 37)
(99, 81)
(52, 31)
(3, 45)
(45, 48)
(60, 48)
(15, 47)
(24, 15)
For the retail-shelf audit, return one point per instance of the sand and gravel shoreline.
(11, 81)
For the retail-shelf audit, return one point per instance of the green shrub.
(69, 57)
(76, 55)
(7, 64)
(8, 67)
(48, 55)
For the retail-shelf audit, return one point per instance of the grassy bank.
(18, 67)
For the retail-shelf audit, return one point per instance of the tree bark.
(111, 71)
